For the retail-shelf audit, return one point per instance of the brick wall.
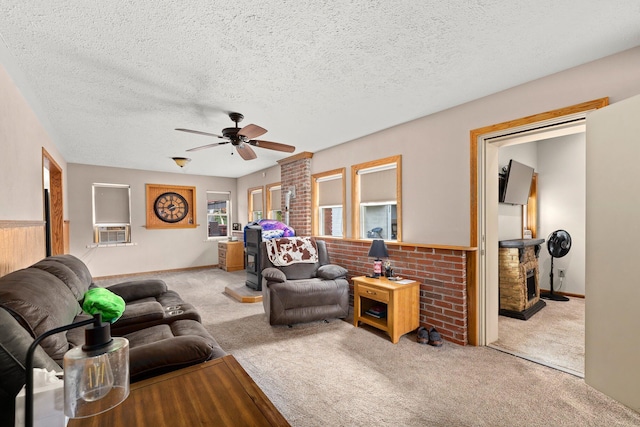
(297, 173)
(441, 273)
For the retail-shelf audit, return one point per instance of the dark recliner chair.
(304, 292)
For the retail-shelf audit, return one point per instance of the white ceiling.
(111, 80)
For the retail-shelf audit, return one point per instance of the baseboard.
(566, 294)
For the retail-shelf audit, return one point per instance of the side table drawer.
(381, 295)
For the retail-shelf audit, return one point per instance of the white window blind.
(275, 194)
(378, 185)
(330, 191)
(256, 200)
(111, 204)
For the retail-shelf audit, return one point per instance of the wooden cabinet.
(231, 256)
(398, 299)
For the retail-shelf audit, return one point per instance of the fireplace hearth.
(518, 282)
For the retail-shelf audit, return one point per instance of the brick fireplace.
(518, 278)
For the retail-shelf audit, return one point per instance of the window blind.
(330, 191)
(111, 205)
(378, 185)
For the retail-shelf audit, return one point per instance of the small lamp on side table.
(378, 250)
(96, 375)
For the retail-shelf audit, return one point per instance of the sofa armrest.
(273, 275)
(331, 272)
(139, 289)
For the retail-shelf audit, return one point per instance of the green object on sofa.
(105, 302)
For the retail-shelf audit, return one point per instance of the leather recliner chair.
(304, 292)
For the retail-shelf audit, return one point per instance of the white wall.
(561, 205)
(154, 249)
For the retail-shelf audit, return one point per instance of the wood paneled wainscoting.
(22, 243)
(442, 271)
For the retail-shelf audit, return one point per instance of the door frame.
(478, 290)
(56, 202)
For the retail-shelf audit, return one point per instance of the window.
(328, 203)
(218, 213)
(255, 204)
(377, 198)
(111, 213)
(274, 202)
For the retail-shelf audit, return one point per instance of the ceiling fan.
(242, 139)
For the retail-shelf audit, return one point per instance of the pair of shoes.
(434, 338)
(423, 335)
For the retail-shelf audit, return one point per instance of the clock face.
(171, 207)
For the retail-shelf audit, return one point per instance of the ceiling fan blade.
(246, 152)
(252, 131)
(273, 146)
(215, 144)
(199, 132)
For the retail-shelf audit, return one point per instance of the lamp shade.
(96, 380)
(96, 375)
(181, 161)
(378, 249)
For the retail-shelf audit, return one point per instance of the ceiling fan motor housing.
(236, 117)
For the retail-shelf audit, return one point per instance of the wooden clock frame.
(189, 194)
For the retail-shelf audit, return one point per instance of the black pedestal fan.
(558, 245)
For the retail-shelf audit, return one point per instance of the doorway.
(554, 336)
(484, 224)
(53, 205)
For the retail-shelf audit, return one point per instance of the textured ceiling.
(111, 80)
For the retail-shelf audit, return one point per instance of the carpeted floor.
(333, 374)
(554, 336)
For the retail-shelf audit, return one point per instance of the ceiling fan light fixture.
(181, 161)
(241, 138)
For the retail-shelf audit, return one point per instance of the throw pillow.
(105, 302)
(331, 272)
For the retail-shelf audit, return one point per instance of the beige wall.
(21, 141)
(435, 149)
(435, 152)
(153, 249)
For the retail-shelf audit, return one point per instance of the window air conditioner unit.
(112, 234)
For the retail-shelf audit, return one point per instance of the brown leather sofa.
(164, 332)
(304, 292)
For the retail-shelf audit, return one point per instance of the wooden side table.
(400, 298)
(231, 255)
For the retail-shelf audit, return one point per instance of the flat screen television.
(516, 184)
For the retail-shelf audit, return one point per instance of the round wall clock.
(171, 207)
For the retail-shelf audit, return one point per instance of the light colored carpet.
(333, 374)
(553, 336)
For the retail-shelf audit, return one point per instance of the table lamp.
(96, 375)
(378, 250)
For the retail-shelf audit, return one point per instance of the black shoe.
(434, 338)
(423, 335)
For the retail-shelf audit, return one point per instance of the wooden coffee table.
(215, 393)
